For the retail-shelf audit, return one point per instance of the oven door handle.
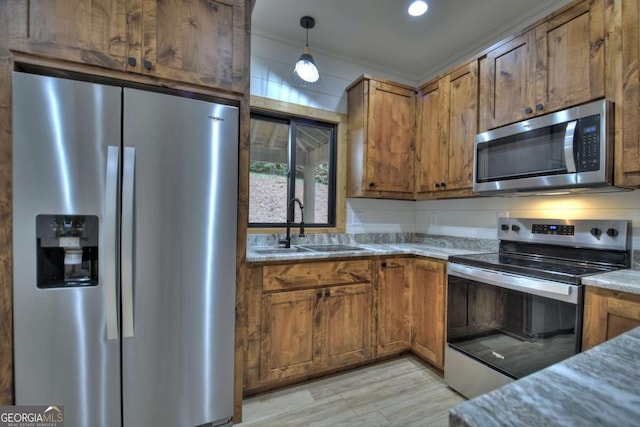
(530, 285)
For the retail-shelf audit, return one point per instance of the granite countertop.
(620, 280)
(432, 246)
(369, 249)
(600, 387)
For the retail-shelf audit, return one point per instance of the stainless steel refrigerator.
(124, 238)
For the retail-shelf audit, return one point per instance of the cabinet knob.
(539, 107)
(443, 184)
(327, 293)
(383, 265)
(437, 184)
(528, 110)
(372, 184)
(132, 61)
(319, 294)
(147, 65)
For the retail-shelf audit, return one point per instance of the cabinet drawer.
(311, 275)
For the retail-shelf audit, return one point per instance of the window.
(289, 158)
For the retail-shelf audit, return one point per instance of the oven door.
(507, 324)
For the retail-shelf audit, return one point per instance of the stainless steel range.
(514, 312)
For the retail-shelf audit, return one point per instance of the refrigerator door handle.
(110, 241)
(128, 177)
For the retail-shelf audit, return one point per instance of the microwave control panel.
(589, 143)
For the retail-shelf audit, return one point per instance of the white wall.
(478, 217)
(380, 216)
(272, 65)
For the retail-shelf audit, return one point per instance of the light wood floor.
(400, 392)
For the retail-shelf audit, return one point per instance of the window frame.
(274, 108)
(293, 122)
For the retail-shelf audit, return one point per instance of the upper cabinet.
(559, 63)
(447, 121)
(623, 70)
(381, 139)
(199, 42)
(92, 32)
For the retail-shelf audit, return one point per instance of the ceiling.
(380, 33)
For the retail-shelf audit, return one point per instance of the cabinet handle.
(132, 61)
(539, 107)
(327, 293)
(443, 184)
(319, 294)
(383, 265)
(147, 65)
(528, 110)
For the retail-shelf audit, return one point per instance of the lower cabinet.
(327, 325)
(608, 314)
(394, 286)
(307, 318)
(428, 310)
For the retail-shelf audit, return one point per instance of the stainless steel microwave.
(563, 152)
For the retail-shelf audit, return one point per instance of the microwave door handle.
(569, 137)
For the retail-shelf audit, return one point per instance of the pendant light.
(418, 8)
(305, 72)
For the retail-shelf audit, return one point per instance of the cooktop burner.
(534, 266)
(558, 250)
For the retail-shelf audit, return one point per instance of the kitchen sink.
(273, 251)
(331, 248)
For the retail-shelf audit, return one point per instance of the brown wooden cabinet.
(607, 314)
(559, 63)
(381, 139)
(447, 122)
(313, 317)
(345, 319)
(93, 32)
(288, 334)
(192, 42)
(623, 87)
(428, 310)
(393, 304)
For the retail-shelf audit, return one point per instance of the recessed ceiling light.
(418, 7)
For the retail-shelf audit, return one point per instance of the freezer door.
(61, 131)
(178, 352)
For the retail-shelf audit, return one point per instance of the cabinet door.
(390, 149)
(88, 31)
(463, 126)
(346, 326)
(428, 296)
(394, 278)
(508, 83)
(432, 150)
(199, 42)
(570, 53)
(608, 314)
(288, 342)
(624, 66)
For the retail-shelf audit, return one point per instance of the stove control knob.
(596, 232)
(515, 228)
(612, 232)
(505, 227)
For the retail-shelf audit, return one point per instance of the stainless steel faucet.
(290, 216)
